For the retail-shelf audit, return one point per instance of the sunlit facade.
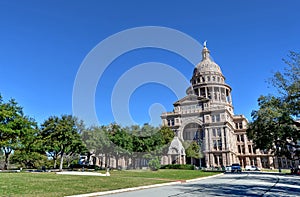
(206, 115)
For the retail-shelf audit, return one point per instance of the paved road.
(243, 184)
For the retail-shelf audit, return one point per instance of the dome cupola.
(206, 64)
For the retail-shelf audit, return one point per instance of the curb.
(125, 190)
(207, 177)
(142, 187)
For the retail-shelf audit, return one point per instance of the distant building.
(206, 115)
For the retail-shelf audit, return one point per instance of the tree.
(167, 134)
(97, 142)
(192, 150)
(28, 152)
(273, 126)
(14, 126)
(288, 84)
(121, 142)
(60, 137)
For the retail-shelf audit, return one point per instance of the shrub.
(154, 164)
(179, 166)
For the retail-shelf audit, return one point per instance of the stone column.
(227, 140)
(206, 140)
(207, 160)
(271, 164)
(212, 160)
(169, 159)
(222, 139)
(224, 158)
(229, 159)
(248, 161)
(246, 144)
(258, 162)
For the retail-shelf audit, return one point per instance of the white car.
(228, 168)
(251, 168)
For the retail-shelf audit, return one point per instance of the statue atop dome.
(205, 52)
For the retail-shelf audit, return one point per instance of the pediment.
(189, 99)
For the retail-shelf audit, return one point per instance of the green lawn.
(51, 184)
(276, 170)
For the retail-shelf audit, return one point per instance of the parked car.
(251, 168)
(236, 167)
(228, 168)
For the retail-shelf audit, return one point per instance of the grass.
(276, 170)
(51, 184)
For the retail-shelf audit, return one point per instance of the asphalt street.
(230, 184)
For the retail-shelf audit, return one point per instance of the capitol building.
(206, 115)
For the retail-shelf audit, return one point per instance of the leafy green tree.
(97, 142)
(288, 84)
(28, 159)
(61, 137)
(121, 142)
(154, 163)
(192, 150)
(167, 134)
(28, 153)
(14, 127)
(273, 126)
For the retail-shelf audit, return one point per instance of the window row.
(203, 79)
(239, 125)
(217, 144)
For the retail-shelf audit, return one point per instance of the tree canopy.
(61, 137)
(15, 127)
(274, 124)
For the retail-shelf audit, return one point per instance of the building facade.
(206, 115)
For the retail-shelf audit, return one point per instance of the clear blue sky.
(43, 43)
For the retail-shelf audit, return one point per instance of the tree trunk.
(7, 151)
(6, 160)
(54, 165)
(117, 161)
(61, 160)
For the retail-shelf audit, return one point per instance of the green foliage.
(167, 134)
(29, 159)
(15, 128)
(61, 137)
(179, 166)
(192, 149)
(154, 164)
(288, 83)
(273, 126)
(128, 142)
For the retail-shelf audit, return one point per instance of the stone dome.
(207, 65)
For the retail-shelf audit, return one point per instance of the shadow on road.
(245, 184)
